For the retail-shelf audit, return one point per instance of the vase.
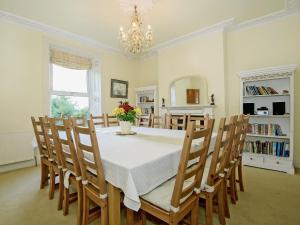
(125, 127)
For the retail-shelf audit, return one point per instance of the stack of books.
(265, 129)
(261, 90)
(280, 149)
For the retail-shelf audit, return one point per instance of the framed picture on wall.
(119, 89)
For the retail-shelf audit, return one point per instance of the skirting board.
(17, 165)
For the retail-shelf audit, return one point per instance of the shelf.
(261, 96)
(270, 116)
(266, 155)
(146, 103)
(268, 136)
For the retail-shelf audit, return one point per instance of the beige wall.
(146, 71)
(269, 44)
(203, 57)
(23, 77)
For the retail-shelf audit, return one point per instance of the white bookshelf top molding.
(268, 73)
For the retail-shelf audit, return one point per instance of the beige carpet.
(271, 198)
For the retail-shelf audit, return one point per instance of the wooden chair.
(93, 179)
(240, 151)
(201, 121)
(176, 122)
(54, 157)
(144, 121)
(111, 120)
(80, 120)
(236, 157)
(64, 144)
(98, 120)
(157, 121)
(43, 150)
(172, 201)
(213, 179)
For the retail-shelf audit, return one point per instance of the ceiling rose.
(142, 5)
(134, 40)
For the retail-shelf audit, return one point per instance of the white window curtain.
(95, 89)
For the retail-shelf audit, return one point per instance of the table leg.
(114, 200)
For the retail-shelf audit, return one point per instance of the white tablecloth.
(139, 163)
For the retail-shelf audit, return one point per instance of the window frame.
(69, 93)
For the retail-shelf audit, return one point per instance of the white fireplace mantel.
(193, 109)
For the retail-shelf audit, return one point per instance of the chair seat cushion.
(162, 195)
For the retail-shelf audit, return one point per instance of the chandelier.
(134, 41)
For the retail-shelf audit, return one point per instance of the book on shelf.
(280, 149)
(265, 129)
(259, 90)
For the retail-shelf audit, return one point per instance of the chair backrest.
(111, 120)
(89, 157)
(220, 155)
(176, 122)
(157, 121)
(64, 144)
(49, 138)
(80, 120)
(144, 120)
(237, 139)
(98, 120)
(192, 163)
(40, 137)
(200, 121)
(240, 137)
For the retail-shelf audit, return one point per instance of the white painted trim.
(213, 28)
(44, 28)
(264, 19)
(17, 165)
(268, 71)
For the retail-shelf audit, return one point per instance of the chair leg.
(235, 187)
(61, 190)
(232, 187)
(220, 197)
(144, 218)
(66, 201)
(226, 206)
(52, 183)
(44, 175)
(240, 175)
(79, 203)
(130, 217)
(194, 214)
(209, 210)
(104, 215)
(86, 208)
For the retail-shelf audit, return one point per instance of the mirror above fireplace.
(189, 91)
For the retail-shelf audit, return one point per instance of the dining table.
(136, 164)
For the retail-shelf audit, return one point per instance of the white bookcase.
(146, 99)
(261, 148)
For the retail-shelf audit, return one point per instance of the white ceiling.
(100, 19)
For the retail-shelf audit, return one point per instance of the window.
(69, 91)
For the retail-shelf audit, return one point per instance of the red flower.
(126, 107)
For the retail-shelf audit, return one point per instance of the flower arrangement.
(126, 112)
